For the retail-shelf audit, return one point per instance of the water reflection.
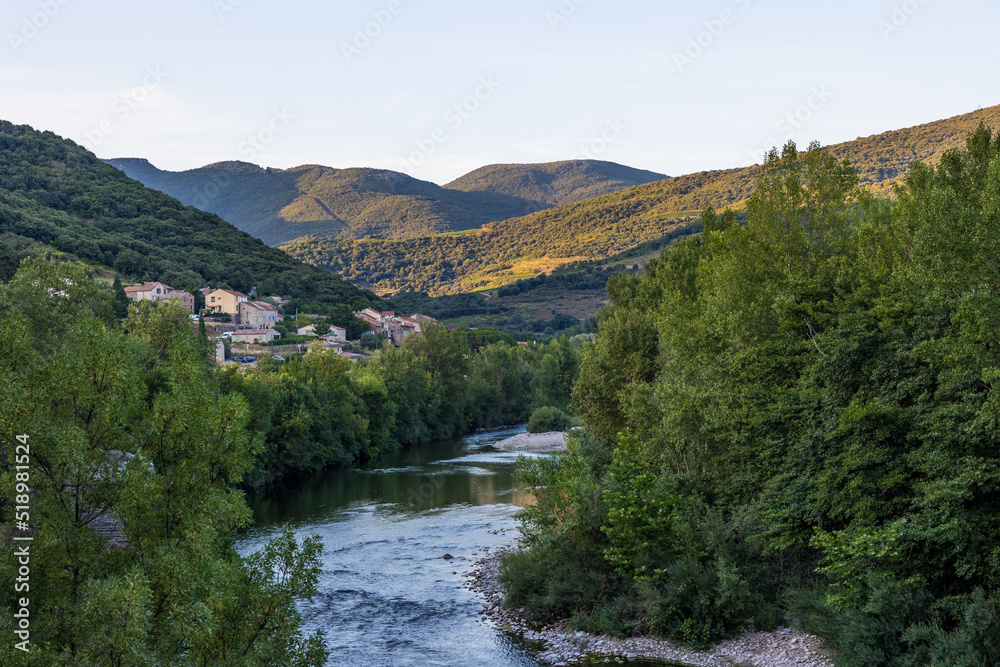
(386, 595)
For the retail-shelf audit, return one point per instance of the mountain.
(511, 250)
(555, 183)
(279, 205)
(56, 196)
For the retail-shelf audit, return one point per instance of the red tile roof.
(229, 291)
(260, 305)
(146, 287)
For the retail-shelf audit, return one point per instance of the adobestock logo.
(901, 15)
(123, 106)
(366, 34)
(599, 145)
(32, 25)
(714, 28)
(256, 143)
(225, 7)
(793, 121)
(563, 13)
(454, 118)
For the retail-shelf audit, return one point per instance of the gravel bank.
(539, 443)
(783, 647)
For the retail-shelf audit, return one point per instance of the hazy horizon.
(438, 91)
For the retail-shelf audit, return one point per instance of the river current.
(386, 595)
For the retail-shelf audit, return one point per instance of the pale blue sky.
(189, 82)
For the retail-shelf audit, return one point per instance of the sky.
(437, 88)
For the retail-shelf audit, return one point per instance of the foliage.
(127, 423)
(65, 200)
(802, 406)
(372, 340)
(547, 419)
(321, 410)
(493, 257)
(278, 205)
(554, 183)
(604, 226)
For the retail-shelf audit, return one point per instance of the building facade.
(258, 314)
(224, 301)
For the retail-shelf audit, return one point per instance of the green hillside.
(609, 225)
(54, 195)
(278, 205)
(555, 183)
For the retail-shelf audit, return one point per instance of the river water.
(386, 595)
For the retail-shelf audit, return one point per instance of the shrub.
(547, 418)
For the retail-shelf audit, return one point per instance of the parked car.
(228, 334)
(194, 318)
(248, 360)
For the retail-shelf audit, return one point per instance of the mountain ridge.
(609, 225)
(280, 205)
(57, 197)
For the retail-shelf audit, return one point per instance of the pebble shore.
(538, 443)
(782, 647)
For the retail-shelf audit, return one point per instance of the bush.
(547, 418)
(902, 626)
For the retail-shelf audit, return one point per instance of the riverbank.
(782, 647)
(537, 443)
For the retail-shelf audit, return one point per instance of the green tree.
(121, 300)
(131, 429)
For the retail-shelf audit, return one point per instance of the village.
(247, 326)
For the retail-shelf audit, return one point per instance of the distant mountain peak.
(135, 162)
(234, 165)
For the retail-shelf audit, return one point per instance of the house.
(186, 299)
(157, 292)
(224, 301)
(255, 335)
(148, 292)
(258, 314)
(306, 331)
(337, 334)
(395, 327)
(279, 302)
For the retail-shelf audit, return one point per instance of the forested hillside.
(278, 205)
(607, 225)
(554, 183)
(54, 195)
(124, 431)
(503, 253)
(797, 415)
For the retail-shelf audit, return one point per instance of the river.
(386, 595)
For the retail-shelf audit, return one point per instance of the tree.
(121, 300)
(373, 340)
(132, 427)
(322, 327)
